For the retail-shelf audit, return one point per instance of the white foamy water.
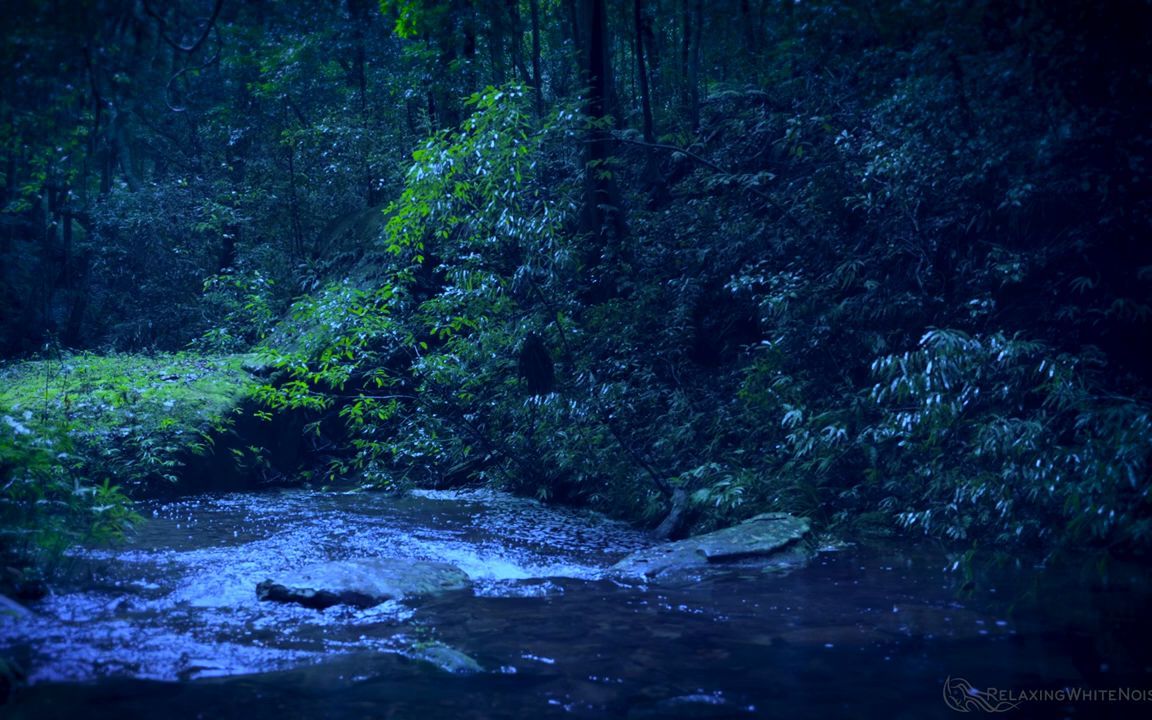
(179, 600)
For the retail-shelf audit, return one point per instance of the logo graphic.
(962, 697)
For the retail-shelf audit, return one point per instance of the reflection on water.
(170, 625)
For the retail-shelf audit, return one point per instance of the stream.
(169, 626)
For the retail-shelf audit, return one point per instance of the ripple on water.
(179, 601)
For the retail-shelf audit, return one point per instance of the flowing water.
(169, 626)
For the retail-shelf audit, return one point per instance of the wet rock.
(11, 607)
(770, 540)
(448, 659)
(700, 705)
(363, 583)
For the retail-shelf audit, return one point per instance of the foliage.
(135, 170)
(336, 354)
(852, 261)
(44, 505)
(79, 433)
(472, 223)
(746, 343)
(243, 304)
(1000, 439)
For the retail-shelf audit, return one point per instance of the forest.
(274, 270)
(884, 265)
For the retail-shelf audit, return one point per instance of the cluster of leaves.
(242, 303)
(421, 367)
(1000, 438)
(333, 357)
(45, 508)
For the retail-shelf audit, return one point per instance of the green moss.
(110, 389)
(80, 432)
(107, 402)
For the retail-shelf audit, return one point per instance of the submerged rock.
(446, 658)
(362, 583)
(11, 607)
(770, 539)
(698, 706)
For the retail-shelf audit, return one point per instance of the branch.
(785, 212)
(673, 148)
(204, 66)
(493, 446)
(365, 396)
(662, 485)
(175, 45)
(209, 29)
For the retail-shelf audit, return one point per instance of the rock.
(700, 705)
(770, 539)
(9, 606)
(362, 583)
(448, 659)
(258, 367)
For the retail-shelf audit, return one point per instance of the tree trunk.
(694, 66)
(496, 40)
(602, 211)
(642, 71)
(685, 48)
(749, 23)
(537, 89)
(468, 46)
(512, 7)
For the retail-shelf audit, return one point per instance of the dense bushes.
(862, 261)
(747, 384)
(999, 439)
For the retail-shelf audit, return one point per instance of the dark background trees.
(872, 262)
(151, 146)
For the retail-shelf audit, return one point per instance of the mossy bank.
(80, 434)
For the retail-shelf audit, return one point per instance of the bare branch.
(211, 23)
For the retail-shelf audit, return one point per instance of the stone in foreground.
(772, 540)
(362, 583)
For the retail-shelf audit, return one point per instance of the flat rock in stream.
(771, 540)
(362, 583)
(11, 607)
(446, 658)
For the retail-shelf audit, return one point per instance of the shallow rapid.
(170, 624)
(179, 600)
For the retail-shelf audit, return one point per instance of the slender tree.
(642, 71)
(537, 84)
(603, 212)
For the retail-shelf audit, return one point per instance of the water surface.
(169, 626)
